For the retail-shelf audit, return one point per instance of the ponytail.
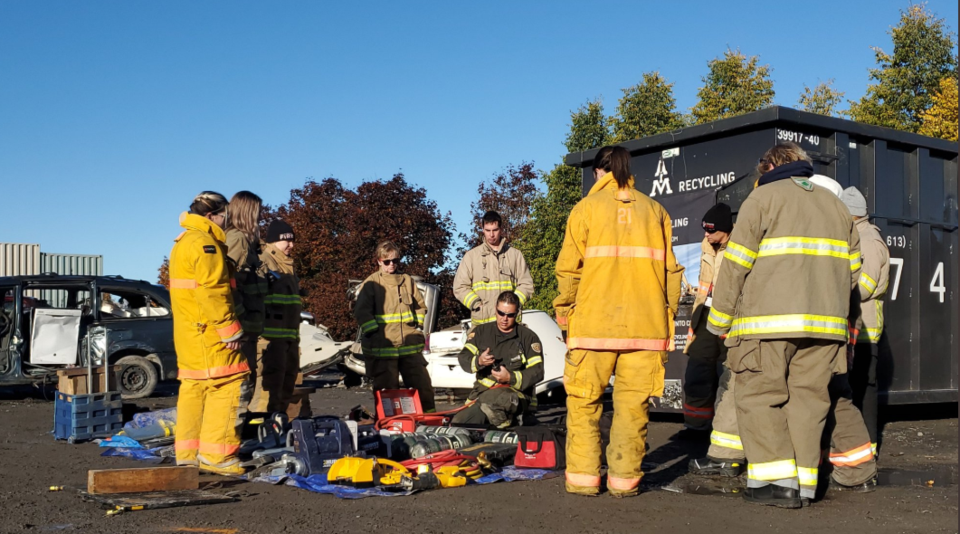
(208, 202)
(616, 160)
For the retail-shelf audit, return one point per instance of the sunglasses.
(391, 262)
(503, 314)
(710, 230)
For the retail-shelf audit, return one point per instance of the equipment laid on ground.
(541, 448)
(86, 417)
(319, 442)
(399, 410)
(360, 472)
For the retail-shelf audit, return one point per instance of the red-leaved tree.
(338, 230)
(163, 273)
(510, 193)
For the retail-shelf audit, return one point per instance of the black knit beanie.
(719, 218)
(279, 231)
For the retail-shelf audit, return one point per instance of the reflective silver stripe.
(779, 324)
(719, 318)
(740, 255)
(814, 246)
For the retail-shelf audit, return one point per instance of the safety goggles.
(504, 314)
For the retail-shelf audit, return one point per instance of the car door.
(137, 321)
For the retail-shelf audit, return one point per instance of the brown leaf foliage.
(510, 193)
(163, 273)
(338, 230)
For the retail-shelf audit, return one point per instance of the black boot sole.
(779, 503)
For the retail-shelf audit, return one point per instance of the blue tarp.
(318, 483)
(144, 455)
(120, 441)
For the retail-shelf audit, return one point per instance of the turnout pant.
(639, 376)
(279, 366)
(499, 407)
(725, 443)
(701, 379)
(248, 347)
(851, 452)
(782, 405)
(385, 373)
(207, 432)
(863, 383)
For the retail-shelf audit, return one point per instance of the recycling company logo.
(661, 185)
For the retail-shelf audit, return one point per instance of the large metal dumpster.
(910, 182)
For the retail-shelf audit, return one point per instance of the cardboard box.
(73, 381)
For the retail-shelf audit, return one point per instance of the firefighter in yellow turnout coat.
(207, 337)
(783, 298)
(619, 286)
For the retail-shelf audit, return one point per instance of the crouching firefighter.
(390, 311)
(507, 359)
(207, 337)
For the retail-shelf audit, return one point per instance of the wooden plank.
(143, 479)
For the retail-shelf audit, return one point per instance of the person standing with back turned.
(207, 336)
(783, 299)
(619, 285)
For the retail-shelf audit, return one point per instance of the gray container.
(909, 181)
(67, 264)
(19, 259)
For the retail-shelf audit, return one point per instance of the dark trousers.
(499, 407)
(863, 383)
(702, 377)
(385, 373)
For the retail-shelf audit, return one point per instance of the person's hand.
(233, 345)
(477, 304)
(485, 359)
(502, 376)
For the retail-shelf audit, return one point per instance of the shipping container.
(67, 264)
(18, 259)
(909, 181)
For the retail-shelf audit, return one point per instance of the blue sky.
(114, 114)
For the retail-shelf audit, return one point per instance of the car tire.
(137, 378)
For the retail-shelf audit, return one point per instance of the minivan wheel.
(137, 378)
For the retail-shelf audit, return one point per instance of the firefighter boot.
(773, 495)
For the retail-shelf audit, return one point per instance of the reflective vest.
(484, 273)
(282, 304)
(791, 267)
(390, 311)
(617, 276)
(203, 310)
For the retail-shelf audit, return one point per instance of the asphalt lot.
(918, 491)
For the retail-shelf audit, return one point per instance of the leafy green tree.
(735, 84)
(941, 119)
(646, 109)
(822, 99)
(543, 233)
(905, 81)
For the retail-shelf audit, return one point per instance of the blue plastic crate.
(86, 417)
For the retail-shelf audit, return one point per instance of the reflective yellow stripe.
(778, 470)
(521, 297)
(503, 285)
(871, 335)
(719, 319)
(729, 441)
(489, 382)
(472, 348)
(868, 283)
(855, 262)
(807, 476)
(783, 324)
(395, 318)
(518, 379)
(476, 322)
(281, 333)
(393, 352)
(369, 326)
(812, 246)
(470, 298)
(534, 361)
(282, 299)
(740, 255)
